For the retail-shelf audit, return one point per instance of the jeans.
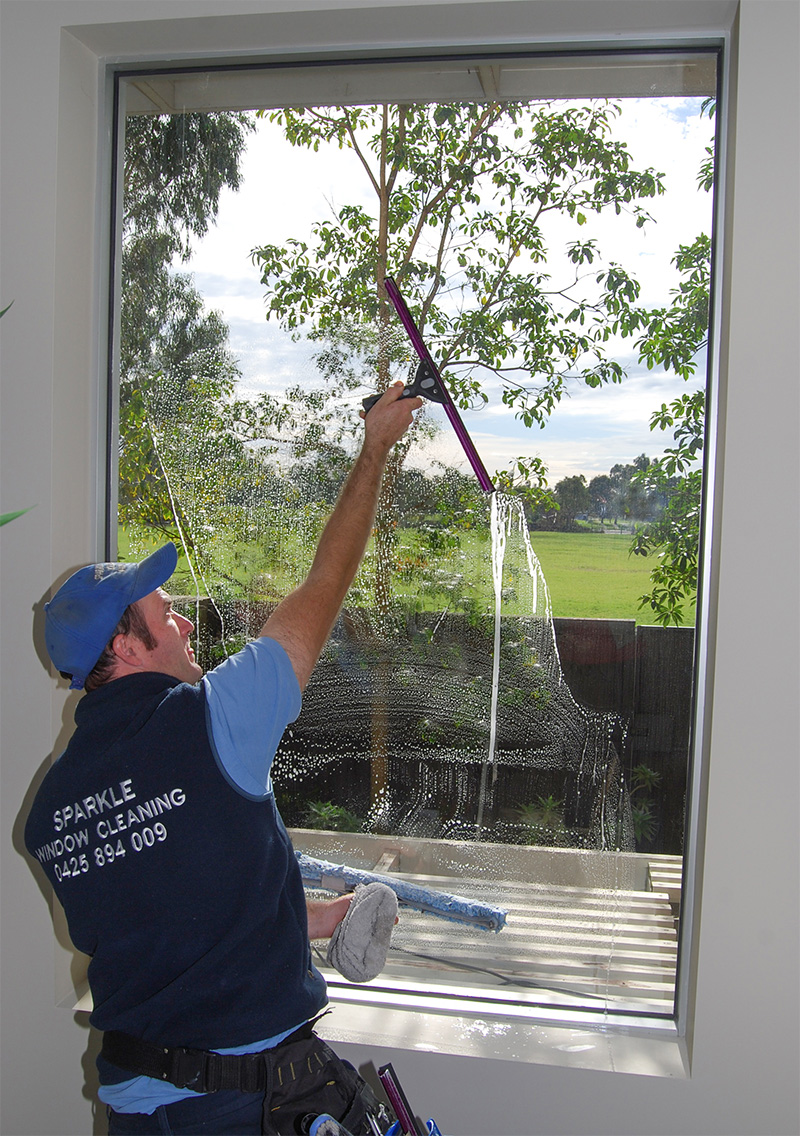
(224, 1113)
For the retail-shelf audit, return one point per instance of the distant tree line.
(622, 496)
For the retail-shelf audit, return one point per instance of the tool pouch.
(314, 1081)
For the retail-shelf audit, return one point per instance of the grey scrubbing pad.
(360, 943)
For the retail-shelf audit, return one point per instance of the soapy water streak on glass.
(448, 716)
(498, 529)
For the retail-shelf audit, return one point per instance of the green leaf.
(6, 517)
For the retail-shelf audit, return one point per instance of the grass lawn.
(591, 575)
(588, 575)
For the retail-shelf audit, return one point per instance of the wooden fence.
(644, 675)
(641, 674)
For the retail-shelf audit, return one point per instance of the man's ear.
(128, 649)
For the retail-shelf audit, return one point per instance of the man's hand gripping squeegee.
(339, 878)
(428, 383)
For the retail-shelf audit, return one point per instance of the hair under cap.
(81, 617)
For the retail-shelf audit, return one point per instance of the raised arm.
(302, 622)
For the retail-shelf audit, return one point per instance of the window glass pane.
(503, 710)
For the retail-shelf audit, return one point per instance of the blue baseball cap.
(81, 617)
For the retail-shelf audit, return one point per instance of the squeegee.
(428, 383)
(339, 878)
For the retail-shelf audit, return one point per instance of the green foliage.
(334, 818)
(572, 498)
(674, 537)
(645, 824)
(6, 517)
(542, 822)
(674, 338)
(429, 733)
(705, 176)
(644, 778)
(627, 499)
(177, 375)
(545, 811)
(461, 192)
(459, 502)
(527, 478)
(644, 781)
(601, 495)
(625, 494)
(461, 197)
(176, 166)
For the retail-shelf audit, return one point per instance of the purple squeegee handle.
(398, 1101)
(393, 293)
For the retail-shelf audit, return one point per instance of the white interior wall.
(745, 1059)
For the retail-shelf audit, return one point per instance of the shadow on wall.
(91, 1081)
(78, 961)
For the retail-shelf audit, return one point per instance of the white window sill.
(372, 1017)
(375, 1017)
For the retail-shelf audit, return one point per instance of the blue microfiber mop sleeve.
(340, 878)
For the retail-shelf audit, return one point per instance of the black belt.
(196, 1069)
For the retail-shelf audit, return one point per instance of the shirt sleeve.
(251, 698)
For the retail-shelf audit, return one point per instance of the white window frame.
(620, 1044)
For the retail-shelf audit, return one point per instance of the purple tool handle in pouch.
(399, 1102)
(449, 406)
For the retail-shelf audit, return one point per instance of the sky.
(285, 190)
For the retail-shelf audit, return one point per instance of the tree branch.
(359, 152)
(491, 112)
(492, 296)
(402, 113)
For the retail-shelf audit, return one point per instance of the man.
(159, 832)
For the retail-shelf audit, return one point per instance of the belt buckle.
(189, 1068)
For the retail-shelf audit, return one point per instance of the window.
(457, 733)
